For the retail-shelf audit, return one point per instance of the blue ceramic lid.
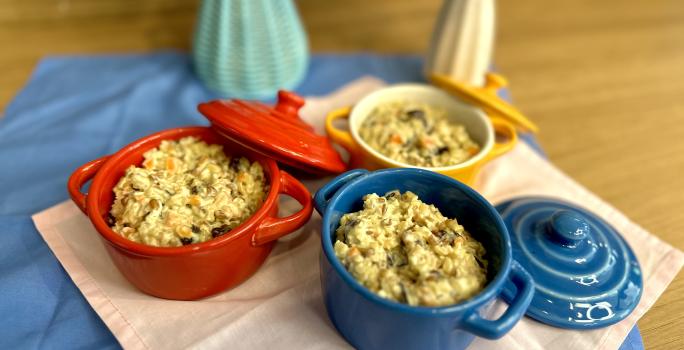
(586, 276)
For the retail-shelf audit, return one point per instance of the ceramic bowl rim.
(370, 99)
(493, 287)
(140, 249)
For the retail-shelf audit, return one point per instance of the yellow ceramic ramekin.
(482, 128)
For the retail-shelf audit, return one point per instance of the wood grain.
(603, 79)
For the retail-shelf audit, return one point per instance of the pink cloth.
(281, 306)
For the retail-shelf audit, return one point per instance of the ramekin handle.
(79, 177)
(273, 228)
(507, 129)
(342, 137)
(325, 193)
(495, 329)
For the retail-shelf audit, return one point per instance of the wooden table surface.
(603, 79)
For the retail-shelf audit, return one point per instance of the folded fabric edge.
(614, 336)
(98, 300)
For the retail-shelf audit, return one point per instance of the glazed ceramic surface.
(368, 321)
(276, 132)
(586, 276)
(485, 97)
(196, 270)
(480, 127)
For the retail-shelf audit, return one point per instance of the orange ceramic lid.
(486, 98)
(276, 132)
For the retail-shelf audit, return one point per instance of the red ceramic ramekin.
(196, 270)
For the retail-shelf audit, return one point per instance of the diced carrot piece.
(170, 164)
(395, 138)
(194, 200)
(353, 251)
(148, 164)
(184, 231)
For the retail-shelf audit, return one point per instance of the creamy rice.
(405, 250)
(186, 191)
(417, 134)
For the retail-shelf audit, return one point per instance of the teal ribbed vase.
(249, 48)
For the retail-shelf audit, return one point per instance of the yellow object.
(362, 157)
(485, 98)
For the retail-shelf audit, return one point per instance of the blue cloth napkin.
(76, 109)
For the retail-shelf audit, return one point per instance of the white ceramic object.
(462, 41)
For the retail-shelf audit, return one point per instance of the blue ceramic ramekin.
(368, 321)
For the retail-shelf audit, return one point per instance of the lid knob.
(289, 103)
(567, 227)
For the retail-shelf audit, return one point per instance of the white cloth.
(280, 307)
